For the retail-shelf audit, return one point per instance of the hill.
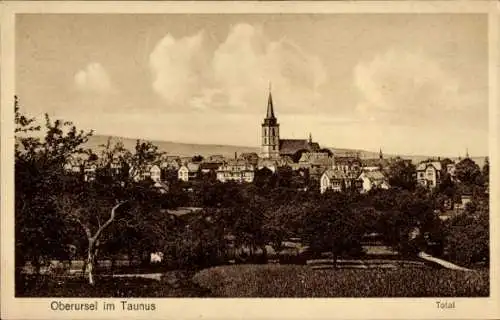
(174, 148)
(228, 151)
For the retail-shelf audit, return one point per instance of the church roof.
(290, 146)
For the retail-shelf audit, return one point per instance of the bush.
(301, 281)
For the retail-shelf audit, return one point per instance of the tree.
(298, 154)
(41, 233)
(264, 178)
(402, 175)
(486, 171)
(467, 236)
(84, 210)
(197, 158)
(145, 154)
(334, 227)
(444, 165)
(467, 172)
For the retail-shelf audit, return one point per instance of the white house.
(332, 179)
(236, 170)
(429, 173)
(90, 171)
(155, 173)
(188, 171)
(373, 179)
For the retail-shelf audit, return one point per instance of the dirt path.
(441, 262)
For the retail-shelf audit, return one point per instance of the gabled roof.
(210, 165)
(423, 165)
(192, 167)
(373, 175)
(333, 174)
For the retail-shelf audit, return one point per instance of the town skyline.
(182, 74)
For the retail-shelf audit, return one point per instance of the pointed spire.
(270, 108)
(380, 154)
(310, 138)
(466, 153)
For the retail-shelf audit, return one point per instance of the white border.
(343, 308)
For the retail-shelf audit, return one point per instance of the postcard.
(250, 160)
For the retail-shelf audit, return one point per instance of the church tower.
(270, 132)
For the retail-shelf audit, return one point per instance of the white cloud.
(403, 85)
(94, 78)
(236, 74)
(177, 66)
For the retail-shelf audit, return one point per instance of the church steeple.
(270, 132)
(270, 108)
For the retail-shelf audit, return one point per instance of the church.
(272, 147)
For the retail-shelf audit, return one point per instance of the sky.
(410, 84)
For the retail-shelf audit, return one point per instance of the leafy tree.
(197, 158)
(486, 170)
(444, 164)
(39, 180)
(334, 227)
(87, 209)
(264, 179)
(402, 174)
(144, 154)
(467, 172)
(298, 154)
(467, 236)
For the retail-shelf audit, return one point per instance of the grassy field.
(171, 285)
(302, 281)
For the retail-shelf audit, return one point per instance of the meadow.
(302, 281)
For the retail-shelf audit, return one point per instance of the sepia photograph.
(249, 155)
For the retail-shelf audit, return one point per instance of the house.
(189, 171)
(236, 170)
(250, 157)
(89, 171)
(309, 160)
(216, 158)
(151, 171)
(451, 170)
(429, 173)
(207, 167)
(464, 200)
(373, 179)
(347, 164)
(170, 163)
(155, 173)
(72, 167)
(333, 179)
(267, 163)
